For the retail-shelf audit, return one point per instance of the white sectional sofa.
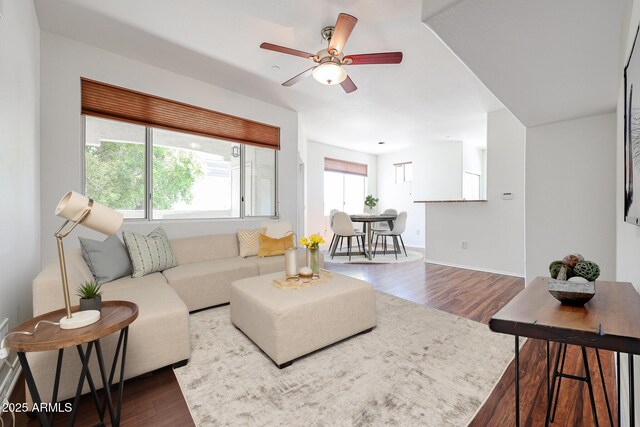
(207, 265)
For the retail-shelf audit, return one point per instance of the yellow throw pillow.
(272, 247)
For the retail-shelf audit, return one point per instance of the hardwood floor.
(155, 399)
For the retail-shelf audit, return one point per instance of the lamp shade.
(101, 218)
(329, 73)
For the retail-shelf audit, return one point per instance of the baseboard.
(468, 267)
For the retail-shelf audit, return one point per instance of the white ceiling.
(546, 60)
(430, 97)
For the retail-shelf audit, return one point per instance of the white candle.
(290, 262)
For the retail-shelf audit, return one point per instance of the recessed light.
(275, 67)
(381, 142)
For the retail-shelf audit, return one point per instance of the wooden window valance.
(117, 103)
(353, 168)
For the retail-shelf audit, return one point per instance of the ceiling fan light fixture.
(329, 73)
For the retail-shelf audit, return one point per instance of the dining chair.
(332, 212)
(343, 227)
(399, 225)
(384, 225)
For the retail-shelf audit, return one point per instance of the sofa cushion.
(205, 248)
(108, 260)
(205, 284)
(128, 282)
(149, 253)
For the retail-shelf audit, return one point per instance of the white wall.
(19, 167)
(627, 235)
(19, 158)
(316, 152)
(437, 175)
(494, 231)
(64, 61)
(570, 197)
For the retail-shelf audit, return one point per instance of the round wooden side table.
(115, 316)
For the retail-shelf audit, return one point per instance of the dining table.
(367, 221)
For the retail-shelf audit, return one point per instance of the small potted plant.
(370, 202)
(90, 297)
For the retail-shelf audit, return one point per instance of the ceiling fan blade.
(341, 32)
(373, 58)
(287, 50)
(348, 85)
(301, 76)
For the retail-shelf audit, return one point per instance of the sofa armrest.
(47, 286)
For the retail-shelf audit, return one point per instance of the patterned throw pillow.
(149, 253)
(249, 241)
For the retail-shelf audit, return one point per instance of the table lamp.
(79, 209)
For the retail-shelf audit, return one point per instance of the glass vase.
(312, 261)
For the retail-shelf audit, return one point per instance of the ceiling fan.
(331, 61)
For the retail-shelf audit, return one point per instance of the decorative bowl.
(572, 293)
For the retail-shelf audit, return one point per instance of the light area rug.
(380, 258)
(418, 367)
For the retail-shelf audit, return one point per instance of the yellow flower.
(312, 241)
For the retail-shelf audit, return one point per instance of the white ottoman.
(289, 323)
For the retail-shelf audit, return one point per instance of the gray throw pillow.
(150, 253)
(107, 260)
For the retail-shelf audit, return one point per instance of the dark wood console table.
(610, 321)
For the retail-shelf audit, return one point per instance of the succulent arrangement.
(574, 268)
(88, 290)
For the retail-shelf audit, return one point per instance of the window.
(403, 172)
(345, 186)
(151, 173)
(115, 158)
(259, 181)
(193, 177)
(471, 186)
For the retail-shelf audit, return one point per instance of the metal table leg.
(590, 386)
(367, 225)
(517, 382)
(632, 409)
(548, 379)
(604, 387)
(106, 387)
(125, 331)
(618, 384)
(83, 374)
(56, 383)
(28, 376)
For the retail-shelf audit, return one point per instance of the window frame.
(148, 182)
(403, 166)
